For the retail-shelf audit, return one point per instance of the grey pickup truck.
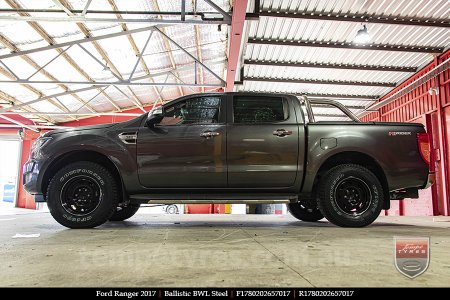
(230, 148)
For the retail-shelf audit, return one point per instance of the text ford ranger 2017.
(230, 148)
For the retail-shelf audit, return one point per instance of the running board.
(216, 199)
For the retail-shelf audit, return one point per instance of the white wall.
(9, 163)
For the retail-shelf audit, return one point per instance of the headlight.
(38, 145)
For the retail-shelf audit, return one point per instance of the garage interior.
(70, 63)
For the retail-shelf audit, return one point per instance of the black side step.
(212, 198)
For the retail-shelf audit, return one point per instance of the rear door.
(263, 142)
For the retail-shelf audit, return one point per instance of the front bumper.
(30, 177)
(30, 180)
(430, 180)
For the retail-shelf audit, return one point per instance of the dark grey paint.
(166, 154)
(398, 156)
(256, 156)
(243, 160)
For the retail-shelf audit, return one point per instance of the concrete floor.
(215, 250)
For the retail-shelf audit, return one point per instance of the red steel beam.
(15, 119)
(104, 119)
(237, 28)
(18, 118)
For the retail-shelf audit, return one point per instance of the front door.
(187, 149)
(263, 142)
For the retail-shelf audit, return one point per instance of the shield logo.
(412, 255)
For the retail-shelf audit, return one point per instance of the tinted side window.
(259, 109)
(192, 111)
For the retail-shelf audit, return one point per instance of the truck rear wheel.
(172, 209)
(350, 196)
(123, 213)
(82, 195)
(305, 210)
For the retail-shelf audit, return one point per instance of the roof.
(77, 66)
(307, 46)
(62, 60)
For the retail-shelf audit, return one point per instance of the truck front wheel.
(82, 195)
(305, 210)
(350, 196)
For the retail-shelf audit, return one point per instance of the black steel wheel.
(305, 210)
(350, 196)
(82, 195)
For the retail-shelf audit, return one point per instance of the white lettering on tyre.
(85, 171)
(331, 195)
(77, 219)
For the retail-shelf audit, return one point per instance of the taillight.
(423, 140)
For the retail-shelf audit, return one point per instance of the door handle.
(209, 134)
(282, 132)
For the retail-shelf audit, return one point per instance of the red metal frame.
(106, 119)
(421, 103)
(434, 193)
(18, 118)
(25, 200)
(237, 28)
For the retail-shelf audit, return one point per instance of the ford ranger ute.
(230, 148)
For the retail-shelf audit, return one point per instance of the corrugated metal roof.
(281, 29)
(324, 30)
(321, 74)
(338, 56)
(405, 8)
(310, 88)
(161, 56)
(118, 50)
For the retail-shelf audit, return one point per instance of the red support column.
(237, 28)
(401, 208)
(434, 191)
(443, 141)
(25, 200)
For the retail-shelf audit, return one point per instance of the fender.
(319, 156)
(121, 155)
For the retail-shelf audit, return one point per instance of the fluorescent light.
(362, 36)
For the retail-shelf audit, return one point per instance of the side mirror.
(154, 117)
